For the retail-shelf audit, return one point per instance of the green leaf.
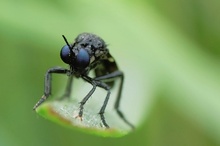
(65, 114)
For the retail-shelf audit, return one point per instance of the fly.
(88, 53)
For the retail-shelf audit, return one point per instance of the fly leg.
(114, 75)
(47, 83)
(84, 100)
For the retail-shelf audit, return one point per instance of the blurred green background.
(175, 44)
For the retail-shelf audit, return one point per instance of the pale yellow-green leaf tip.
(64, 113)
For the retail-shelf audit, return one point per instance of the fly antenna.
(66, 41)
(71, 51)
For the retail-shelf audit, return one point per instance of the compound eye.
(65, 54)
(82, 59)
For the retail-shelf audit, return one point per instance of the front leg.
(102, 110)
(84, 100)
(47, 83)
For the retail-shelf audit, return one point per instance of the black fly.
(88, 53)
